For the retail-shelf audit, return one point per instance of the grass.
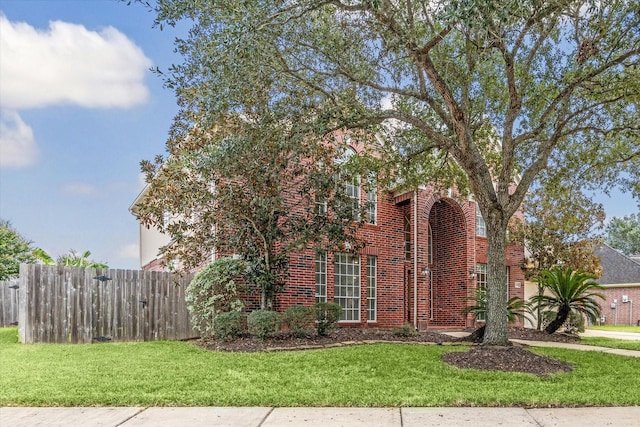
(611, 343)
(178, 373)
(617, 328)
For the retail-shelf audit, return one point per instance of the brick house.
(621, 282)
(425, 252)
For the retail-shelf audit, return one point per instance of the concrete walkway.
(321, 417)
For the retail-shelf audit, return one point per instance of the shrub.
(228, 326)
(263, 323)
(407, 330)
(215, 289)
(327, 316)
(300, 319)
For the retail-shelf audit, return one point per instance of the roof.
(617, 268)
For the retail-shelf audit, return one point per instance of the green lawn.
(617, 328)
(611, 342)
(178, 373)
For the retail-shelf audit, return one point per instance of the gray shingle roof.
(616, 267)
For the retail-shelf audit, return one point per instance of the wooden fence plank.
(71, 305)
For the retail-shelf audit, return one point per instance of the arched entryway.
(448, 264)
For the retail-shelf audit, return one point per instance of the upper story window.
(351, 184)
(481, 226)
(430, 245)
(372, 200)
(407, 235)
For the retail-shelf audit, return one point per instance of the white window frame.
(321, 276)
(372, 288)
(481, 225)
(481, 283)
(372, 200)
(346, 280)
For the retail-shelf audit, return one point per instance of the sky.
(79, 110)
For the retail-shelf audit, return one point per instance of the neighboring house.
(621, 280)
(425, 252)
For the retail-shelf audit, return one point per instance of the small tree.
(214, 290)
(14, 250)
(570, 291)
(249, 186)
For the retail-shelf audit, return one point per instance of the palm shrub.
(567, 291)
(516, 308)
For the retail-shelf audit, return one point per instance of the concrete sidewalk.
(321, 417)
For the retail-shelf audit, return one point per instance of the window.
(321, 206)
(346, 280)
(372, 284)
(481, 226)
(351, 185)
(372, 200)
(481, 285)
(352, 188)
(407, 236)
(430, 245)
(321, 276)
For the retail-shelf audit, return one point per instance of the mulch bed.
(509, 359)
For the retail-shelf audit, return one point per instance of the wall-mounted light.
(425, 271)
(472, 273)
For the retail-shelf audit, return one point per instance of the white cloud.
(67, 64)
(17, 144)
(80, 189)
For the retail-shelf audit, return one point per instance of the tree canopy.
(485, 93)
(14, 250)
(624, 234)
(238, 189)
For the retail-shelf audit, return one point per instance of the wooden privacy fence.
(83, 305)
(8, 303)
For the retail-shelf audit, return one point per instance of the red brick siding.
(625, 313)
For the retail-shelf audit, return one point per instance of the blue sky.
(79, 110)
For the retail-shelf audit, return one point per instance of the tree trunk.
(561, 317)
(496, 332)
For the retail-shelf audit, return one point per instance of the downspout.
(415, 259)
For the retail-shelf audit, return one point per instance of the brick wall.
(625, 313)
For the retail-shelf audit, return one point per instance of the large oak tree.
(500, 90)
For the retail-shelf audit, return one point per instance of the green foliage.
(560, 222)
(516, 306)
(407, 330)
(567, 291)
(246, 186)
(623, 234)
(229, 325)
(327, 316)
(300, 319)
(14, 250)
(264, 323)
(76, 259)
(573, 325)
(480, 95)
(215, 289)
